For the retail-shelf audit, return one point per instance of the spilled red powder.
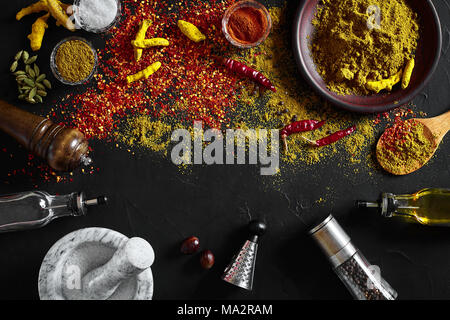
(247, 25)
(189, 85)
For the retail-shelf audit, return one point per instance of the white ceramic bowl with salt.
(96, 16)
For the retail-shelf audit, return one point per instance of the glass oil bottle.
(428, 206)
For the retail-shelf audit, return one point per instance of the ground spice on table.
(74, 60)
(348, 53)
(404, 146)
(247, 25)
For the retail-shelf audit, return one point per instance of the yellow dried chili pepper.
(140, 35)
(408, 73)
(39, 6)
(191, 31)
(147, 72)
(147, 43)
(38, 31)
(387, 84)
(56, 10)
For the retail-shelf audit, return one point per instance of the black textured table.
(151, 199)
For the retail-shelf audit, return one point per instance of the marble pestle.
(133, 257)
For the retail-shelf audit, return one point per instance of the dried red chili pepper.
(246, 71)
(333, 138)
(299, 126)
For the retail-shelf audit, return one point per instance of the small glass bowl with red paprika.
(246, 24)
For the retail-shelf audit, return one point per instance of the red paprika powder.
(247, 25)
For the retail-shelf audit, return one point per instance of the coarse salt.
(97, 14)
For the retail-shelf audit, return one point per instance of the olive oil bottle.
(428, 206)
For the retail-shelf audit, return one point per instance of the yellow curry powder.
(405, 147)
(144, 132)
(75, 60)
(275, 60)
(351, 46)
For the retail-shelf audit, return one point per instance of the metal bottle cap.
(333, 241)
(80, 203)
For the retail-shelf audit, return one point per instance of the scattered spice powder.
(405, 146)
(348, 53)
(191, 86)
(75, 60)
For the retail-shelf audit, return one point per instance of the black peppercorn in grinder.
(362, 279)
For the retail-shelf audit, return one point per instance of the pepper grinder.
(240, 272)
(63, 148)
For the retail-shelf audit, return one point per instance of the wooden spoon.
(434, 129)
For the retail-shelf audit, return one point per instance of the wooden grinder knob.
(63, 148)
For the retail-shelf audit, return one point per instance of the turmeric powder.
(349, 54)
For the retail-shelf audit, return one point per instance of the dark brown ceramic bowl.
(427, 58)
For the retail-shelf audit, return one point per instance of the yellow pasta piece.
(38, 31)
(407, 73)
(147, 43)
(140, 35)
(56, 10)
(147, 72)
(387, 84)
(191, 31)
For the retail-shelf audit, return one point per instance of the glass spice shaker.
(35, 209)
(361, 278)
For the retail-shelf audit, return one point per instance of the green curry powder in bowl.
(74, 61)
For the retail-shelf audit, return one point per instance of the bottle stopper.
(240, 272)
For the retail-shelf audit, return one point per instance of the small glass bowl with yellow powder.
(74, 61)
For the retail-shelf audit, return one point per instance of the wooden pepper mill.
(63, 148)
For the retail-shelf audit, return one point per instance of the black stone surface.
(150, 198)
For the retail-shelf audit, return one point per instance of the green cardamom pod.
(19, 73)
(31, 100)
(18, 55)
(31, 60)
(29, 82)
(14, 66)
(22, 96)
(42, 93)
(31, 73)
(40, 86)
(38, 98)
(40, 78)
(27, 88)
(21, 77)
(25, 55)
(32, 93)
(47, 84)
(36, 69)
